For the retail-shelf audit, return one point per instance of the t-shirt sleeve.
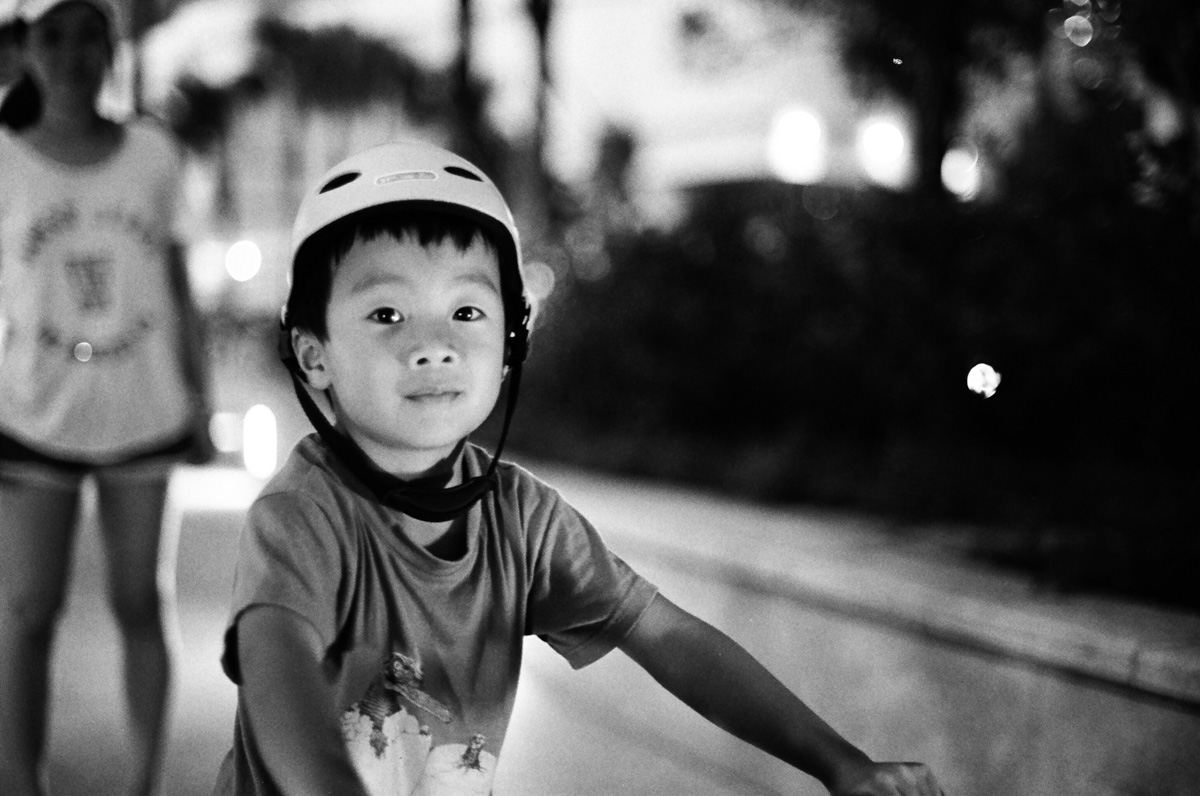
(583, 598)
(289, 556)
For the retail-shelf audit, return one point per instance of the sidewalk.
(854, 566)
(782, 574)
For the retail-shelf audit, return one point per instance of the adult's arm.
(194, 349)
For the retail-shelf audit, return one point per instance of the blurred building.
(706, 90)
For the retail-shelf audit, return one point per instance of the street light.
(259, 439)
(960, 171)
(884, 152)
(242, 260)
(796, 147)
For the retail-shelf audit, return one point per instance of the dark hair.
(22, 106)
(319, 256)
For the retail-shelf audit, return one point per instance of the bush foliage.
(805, 344)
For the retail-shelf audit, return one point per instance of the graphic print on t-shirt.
(90, 278)
(81, 249)
(392, 745)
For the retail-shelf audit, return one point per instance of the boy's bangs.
(425, 227)
(318, 258)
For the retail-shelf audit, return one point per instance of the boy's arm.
(725, 684)
(290, 706)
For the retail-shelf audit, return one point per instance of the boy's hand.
(886, 779)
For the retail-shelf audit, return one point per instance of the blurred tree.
(540, 13)
(475, 138)
(810, 342)
(335, 68)
(918, 50)
(1165, 39)
(466, 96)
(200, 116)
(339, 67)
(142, 14)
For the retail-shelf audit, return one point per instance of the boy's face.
(415, 355)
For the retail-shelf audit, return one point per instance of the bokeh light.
(1079, 30)
(821, 202)
(259, 439)
(539, 279)
(960, 171)
(796, 147)
(1088, 72)
(83, 352)
(243, 259)
(206, 269)
(883, 151)
(1163, 118)
(225, 429)
(983, 379)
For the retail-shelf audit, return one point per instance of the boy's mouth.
(434, 395)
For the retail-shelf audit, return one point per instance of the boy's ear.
(310, 354)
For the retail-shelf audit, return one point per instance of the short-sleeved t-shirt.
(423, 653)
(91, 367)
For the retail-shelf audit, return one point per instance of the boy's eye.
(468, 314)
(386, 315)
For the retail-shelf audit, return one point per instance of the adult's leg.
(141, 549)
(37, 525)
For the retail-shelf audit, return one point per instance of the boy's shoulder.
(311, 476)
(514, 481)
(528, 500)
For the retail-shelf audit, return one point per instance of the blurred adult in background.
(99, 375)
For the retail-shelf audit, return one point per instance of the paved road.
(992, 719)
(1003, 688)
(605, 730)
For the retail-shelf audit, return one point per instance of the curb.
(851, 565)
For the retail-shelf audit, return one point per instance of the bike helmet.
(412, 176)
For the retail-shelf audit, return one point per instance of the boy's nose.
(432, 354)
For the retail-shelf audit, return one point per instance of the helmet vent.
(339, 181)
(461, 172)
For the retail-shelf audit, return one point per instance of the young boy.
(389, 573)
